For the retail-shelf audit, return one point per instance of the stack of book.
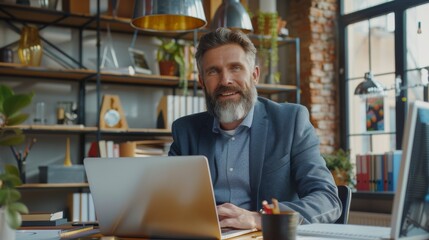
(155, 147)
(43, 219)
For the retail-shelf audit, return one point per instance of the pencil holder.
(280, 226)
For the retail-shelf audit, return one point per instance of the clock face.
(112, 117)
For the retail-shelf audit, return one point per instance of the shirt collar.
(247, 121)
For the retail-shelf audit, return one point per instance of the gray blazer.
(285, 160)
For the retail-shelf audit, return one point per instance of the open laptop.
(155, 197)
(410, 213)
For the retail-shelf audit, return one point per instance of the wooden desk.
(249, 236)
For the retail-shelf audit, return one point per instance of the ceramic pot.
(6, 232)
(30, 49)
(167, 68)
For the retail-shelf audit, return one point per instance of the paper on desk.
(45, 234)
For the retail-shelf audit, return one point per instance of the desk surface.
(249, 236)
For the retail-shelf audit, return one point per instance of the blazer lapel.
(206, 145)
(258, 135)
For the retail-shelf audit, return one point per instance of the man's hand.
(235, 217)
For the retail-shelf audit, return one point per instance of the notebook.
(155, 197)
(411, 202)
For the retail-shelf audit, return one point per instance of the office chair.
(345, 195)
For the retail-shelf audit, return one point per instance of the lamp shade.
(168, 15)
(231, 14)
(369, 87)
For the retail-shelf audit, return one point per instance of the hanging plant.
(267, 27)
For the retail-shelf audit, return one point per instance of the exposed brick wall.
(313, 21)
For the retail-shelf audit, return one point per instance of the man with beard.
(257, 149)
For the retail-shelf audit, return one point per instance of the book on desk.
(42, 216)
(55, 232)
(43, 219)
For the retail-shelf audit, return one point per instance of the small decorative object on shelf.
(40, 113)
(6, 55)
(66, 113)
(30, 49)
(21, 158)
(111, 115)
(138, 61)
(67, 159)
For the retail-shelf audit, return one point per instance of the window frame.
(398, 7)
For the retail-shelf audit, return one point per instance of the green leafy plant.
(267, 25)
(171, 50)
(10, 106)
(9, 196)
(340, 166)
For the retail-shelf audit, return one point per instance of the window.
(417, 51)
(381, 37)
(350, 6)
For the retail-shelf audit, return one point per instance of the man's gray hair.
(222, 36)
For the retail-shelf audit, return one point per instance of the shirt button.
(231, 169)
(233, 138)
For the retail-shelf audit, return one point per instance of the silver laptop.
(154, 197)
(410, 213)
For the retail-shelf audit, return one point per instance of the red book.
(93, 150)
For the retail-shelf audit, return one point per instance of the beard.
(229, 111)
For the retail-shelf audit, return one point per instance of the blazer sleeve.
(317, 193)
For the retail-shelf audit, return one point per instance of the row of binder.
(378, 172)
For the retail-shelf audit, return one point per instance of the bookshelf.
(83, 81)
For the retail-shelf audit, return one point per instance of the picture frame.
(138, 61)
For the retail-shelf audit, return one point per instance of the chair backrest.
(345, 195)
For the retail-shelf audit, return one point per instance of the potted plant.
(10, 207)
(170, 56)
(340, 166)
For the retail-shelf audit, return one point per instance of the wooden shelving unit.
(19, 70)
(14, 13)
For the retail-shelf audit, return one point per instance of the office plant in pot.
(171, 60)
(340, 166)
(10, 206)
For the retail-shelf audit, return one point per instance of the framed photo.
(375, 114)
(138, 61)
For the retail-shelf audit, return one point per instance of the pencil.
(276, 209)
